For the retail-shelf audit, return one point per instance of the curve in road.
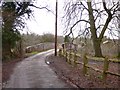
(33, 72)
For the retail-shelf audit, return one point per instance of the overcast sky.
(44, 21)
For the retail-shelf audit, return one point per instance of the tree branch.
(42, 8)
(107, 21)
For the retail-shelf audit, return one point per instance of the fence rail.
(71, 58)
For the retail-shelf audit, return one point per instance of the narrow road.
(33, 72)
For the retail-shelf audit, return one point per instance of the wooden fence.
(72, 58)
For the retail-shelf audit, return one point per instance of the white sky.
(44, 21)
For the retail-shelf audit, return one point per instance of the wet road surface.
(33, 72)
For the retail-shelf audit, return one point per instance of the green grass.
(34, 52)
(116, 60)
(30, 54)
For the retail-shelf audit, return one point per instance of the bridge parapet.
(39, 47)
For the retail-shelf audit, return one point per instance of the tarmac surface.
(33, 72)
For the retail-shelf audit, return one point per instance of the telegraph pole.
(56, 9)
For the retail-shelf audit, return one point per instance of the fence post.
(69, 61)
(75, 59)
(106, 65)
(66, 56)
(60, 52)
(63, 52)
(85, 62)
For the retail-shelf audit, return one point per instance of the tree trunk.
(93, 30)
(6, 51)
(97, 48)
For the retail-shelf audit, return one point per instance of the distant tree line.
(33, 39)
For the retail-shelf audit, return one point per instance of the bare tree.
(91, 18)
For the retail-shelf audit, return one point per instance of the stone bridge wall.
(39, 47)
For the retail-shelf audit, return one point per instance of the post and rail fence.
(72, 58)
